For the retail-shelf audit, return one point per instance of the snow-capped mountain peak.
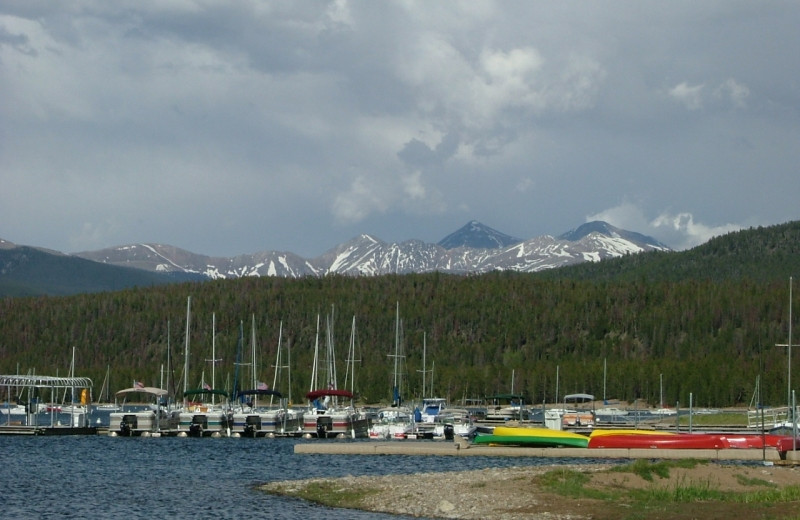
(477, 236)
(473, 249)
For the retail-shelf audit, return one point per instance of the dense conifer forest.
(704, 321)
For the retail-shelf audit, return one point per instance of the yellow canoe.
(512, 431)
(533, 436)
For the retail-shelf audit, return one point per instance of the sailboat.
(104, 403)
(201, 415)
(77, 410)
(662, 410)
(438, 418)
(396, 421)
(254, 419)
(325, 416)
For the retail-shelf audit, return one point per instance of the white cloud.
(734, 91)
(678, 231)
(363, 197)
(689, 96)
(624, 216)
(682, 232)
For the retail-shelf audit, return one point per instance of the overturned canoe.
(668, 441)
(753, 440)
(599, 432)
(542, 437)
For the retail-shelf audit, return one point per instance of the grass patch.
(750, 481)
(683, 491)
(569, 483)
(715, 419)
(646, 469)
(333, 494)
(692, 492)
(681, 497)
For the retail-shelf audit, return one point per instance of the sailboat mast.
(350, 374)
(289, 366)
(332, 383)
(278, 366)
(169, 366)
(238, 362)
(424, 368)
(213, 352)
(314, 367)
(253, 346)
(396, 345)
(186, 349)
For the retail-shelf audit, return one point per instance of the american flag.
(262, 386)
(138, 384)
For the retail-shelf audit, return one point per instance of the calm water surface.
(107, 477)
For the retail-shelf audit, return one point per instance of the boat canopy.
(505, 397)
(578, 398)
(46, 381)
(207, 391)
(316, 394)
(259, 392)
(144, 390)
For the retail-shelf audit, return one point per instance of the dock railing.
(771, 417)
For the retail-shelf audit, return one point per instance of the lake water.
(169, 477)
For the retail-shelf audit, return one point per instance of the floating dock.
(46, 430)
(464, 449)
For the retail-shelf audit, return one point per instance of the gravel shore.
(513, 493)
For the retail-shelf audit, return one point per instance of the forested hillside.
(706, 319)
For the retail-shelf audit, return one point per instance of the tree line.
(616, 336)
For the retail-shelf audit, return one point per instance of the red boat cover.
(316, 394)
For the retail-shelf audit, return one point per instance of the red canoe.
(680, 441)
(785, 443)
(753, 440)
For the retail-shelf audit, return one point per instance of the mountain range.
(473, 249)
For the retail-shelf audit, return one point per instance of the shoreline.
(527, 492)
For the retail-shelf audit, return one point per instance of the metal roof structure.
(46, 381)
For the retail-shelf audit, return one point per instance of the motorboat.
(201, 418)
(326, 418)
(253, 420)
(393, 422)
(152, 419)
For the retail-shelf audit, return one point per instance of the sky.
(227, 128)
